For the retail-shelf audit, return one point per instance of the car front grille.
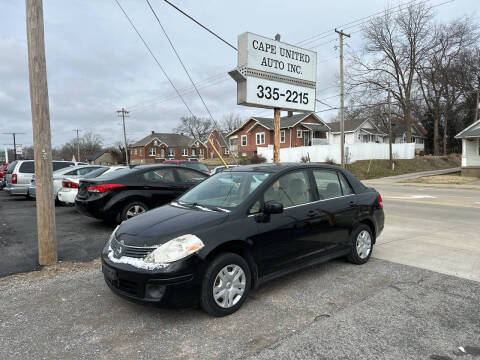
(120, 249)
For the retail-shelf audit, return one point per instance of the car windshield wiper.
(203, 207)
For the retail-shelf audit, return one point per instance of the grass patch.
(371, 169)
(455, 178)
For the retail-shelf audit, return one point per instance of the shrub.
(305, 159)
(257, 159)
(330, 161)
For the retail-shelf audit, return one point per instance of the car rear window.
(116, 174)
(195, 165)
(27, 167)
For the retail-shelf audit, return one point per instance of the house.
(470, 149)
(399, 134)
(104, 158)
(357, 131)
(156, 147)
(219, 140)
(295, 130)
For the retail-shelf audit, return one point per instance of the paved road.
(79, 238)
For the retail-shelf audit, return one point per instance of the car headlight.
(175, 249)
(112, 236)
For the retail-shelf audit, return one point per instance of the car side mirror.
(272, 207)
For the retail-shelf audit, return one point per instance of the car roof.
(276, 168)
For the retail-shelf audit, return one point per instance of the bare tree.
(231, 122)
(395, 45)
(195, 127)
(90, 143)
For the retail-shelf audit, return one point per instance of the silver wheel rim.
(364, 244)
(134, 211)
(229, 286)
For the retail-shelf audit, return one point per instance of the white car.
(68, 191)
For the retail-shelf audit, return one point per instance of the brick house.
(157, 147)
(220, 142)
(295, 130)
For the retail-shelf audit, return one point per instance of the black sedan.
(123, 194)
(238, 229)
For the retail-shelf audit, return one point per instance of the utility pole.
(78, 144)
(342, 111)
(476, 107)
(390, 137)
(14, 134)
(124, 113)
(47, 244)
(276, 128)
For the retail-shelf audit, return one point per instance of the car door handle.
(311, 213)
(352, 203)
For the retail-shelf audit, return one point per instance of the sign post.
(275, 75)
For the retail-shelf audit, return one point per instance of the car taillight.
(380, 201)
(14, 178)
(69, 184)
(104, 187)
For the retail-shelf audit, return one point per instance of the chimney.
(290, 113)
(153, 132)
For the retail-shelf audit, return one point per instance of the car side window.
(160, 176)
(255, 208)
(328, 185)
(346, 188)
(190, 176)
(290, 189)
(28, 167)
(60, 165)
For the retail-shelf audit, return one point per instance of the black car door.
(337, 206)
(287, 239)
(159, 186)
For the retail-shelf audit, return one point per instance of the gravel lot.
(79, 238)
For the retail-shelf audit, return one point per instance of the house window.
(184, 152)
(225, 151)
(152, 152)
(244, 140)
(200, 151)
(260, 138)
(282, 136)
(171, 152)
(299, 134)
(155, 143)
(135, 151)
(193, 152)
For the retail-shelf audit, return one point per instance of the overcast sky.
(96, 64)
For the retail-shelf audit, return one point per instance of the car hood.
(162, 224)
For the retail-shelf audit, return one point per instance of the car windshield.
(225, 190)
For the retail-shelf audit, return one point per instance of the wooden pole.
(47, 244)
(217, 152)
(342, 112)
(276, 136)
(390, 136)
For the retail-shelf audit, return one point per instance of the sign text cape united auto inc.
(273, 74)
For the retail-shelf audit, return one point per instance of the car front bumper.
(178, 285)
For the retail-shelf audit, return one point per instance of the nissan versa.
(238, 229)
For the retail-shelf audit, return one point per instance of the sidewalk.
(409, 176)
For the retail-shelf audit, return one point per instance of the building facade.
(357, 131)
(295, 130)
(219, 140)
(157, 147)
(470, 149)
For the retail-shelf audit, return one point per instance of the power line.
(155, 58)
(203, 26)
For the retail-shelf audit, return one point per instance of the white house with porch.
(470, 149)
(357, 131)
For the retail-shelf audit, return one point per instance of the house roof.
(399, 128)
(95, 156)
(315, 127)
(351, 125)
(472, 131)
(169, 139)
(286, 121)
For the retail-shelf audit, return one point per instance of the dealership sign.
(272, 74)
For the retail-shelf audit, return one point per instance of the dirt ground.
(455, 178)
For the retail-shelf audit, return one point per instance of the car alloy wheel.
(229, 286)
(134, 211)
(363, 244)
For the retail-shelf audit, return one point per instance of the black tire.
(355, 257)
(128, 206)
(207, 300)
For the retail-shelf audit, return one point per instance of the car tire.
(132, 209)
(362, 245)
(221, 267)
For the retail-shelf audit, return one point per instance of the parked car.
(58, 176)
(68, 191)
(19, 176)
(217, 242)
(126, 193)
(192, 164)
(2, 174)
(218, 169)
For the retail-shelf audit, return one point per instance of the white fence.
(323, 153)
